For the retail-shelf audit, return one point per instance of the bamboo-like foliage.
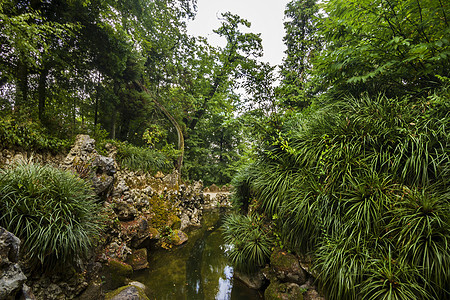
(361, 178)
(53, 212)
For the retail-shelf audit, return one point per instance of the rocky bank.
(142, 212)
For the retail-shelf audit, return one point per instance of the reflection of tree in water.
(196, 270)
(215, 269)
(196, 264)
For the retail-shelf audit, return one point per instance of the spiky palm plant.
(53, 212)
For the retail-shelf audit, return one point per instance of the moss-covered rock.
(284, 291)
(126, 293)
(178, 237)
(138, 260)
(175, 222)
(286, 267)
(116, 273)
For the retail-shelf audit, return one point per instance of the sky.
(266, 17)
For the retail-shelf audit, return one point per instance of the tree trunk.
(97, 99)
(112, 134)
(174, 123)
(22, 86)
(42, 92)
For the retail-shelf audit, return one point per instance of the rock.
(117, 273)
(118, 250)
(12, 277)
(138, 285)
(287, 267)
(85, 160)
(27, 293)
(283, 291)
(254, 281)
(184, 222)
(129, 292)
(138, 260)
(197, 186)
(171, 180)
(312, 294)
(103, 179)
(214, 188)
(93, 291)
(159, 175)
(178, 237)
(125, 211)
(11, 281)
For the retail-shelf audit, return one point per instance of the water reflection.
(225, 284)
(198, 270)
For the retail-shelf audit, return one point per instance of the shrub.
(358, 179)
(28, 135)
(141, 159)
(251, 242)
(53, 212)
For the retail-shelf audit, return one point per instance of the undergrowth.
(53, 212)
(29, 136)
(362, 186)
(140, 158)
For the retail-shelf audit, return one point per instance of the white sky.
(266, 17)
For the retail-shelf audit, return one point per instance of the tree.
(302, 44)
(383, 46)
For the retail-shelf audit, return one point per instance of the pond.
(197, 270)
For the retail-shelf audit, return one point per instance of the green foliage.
(153, 135)
(142, 159)
(356, 180)
(250, 239)
(396, 47)
(242, 194)
(390, 279)
(53, 212)
(303, 43)
(28, 135)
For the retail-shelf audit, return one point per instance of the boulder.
(27, 293)
(254, 280)
(11, 276)
(178, 237)
(93, 291)
(85, 160)
(129, 292)
(214, 188)
(103, 179)
(286, 267)
(138, 260)
(284, 291)
(117, 273)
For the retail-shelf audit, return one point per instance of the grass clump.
(53, 212)
(142, 159)
(250, 239)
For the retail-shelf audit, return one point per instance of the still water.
(197, 270)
